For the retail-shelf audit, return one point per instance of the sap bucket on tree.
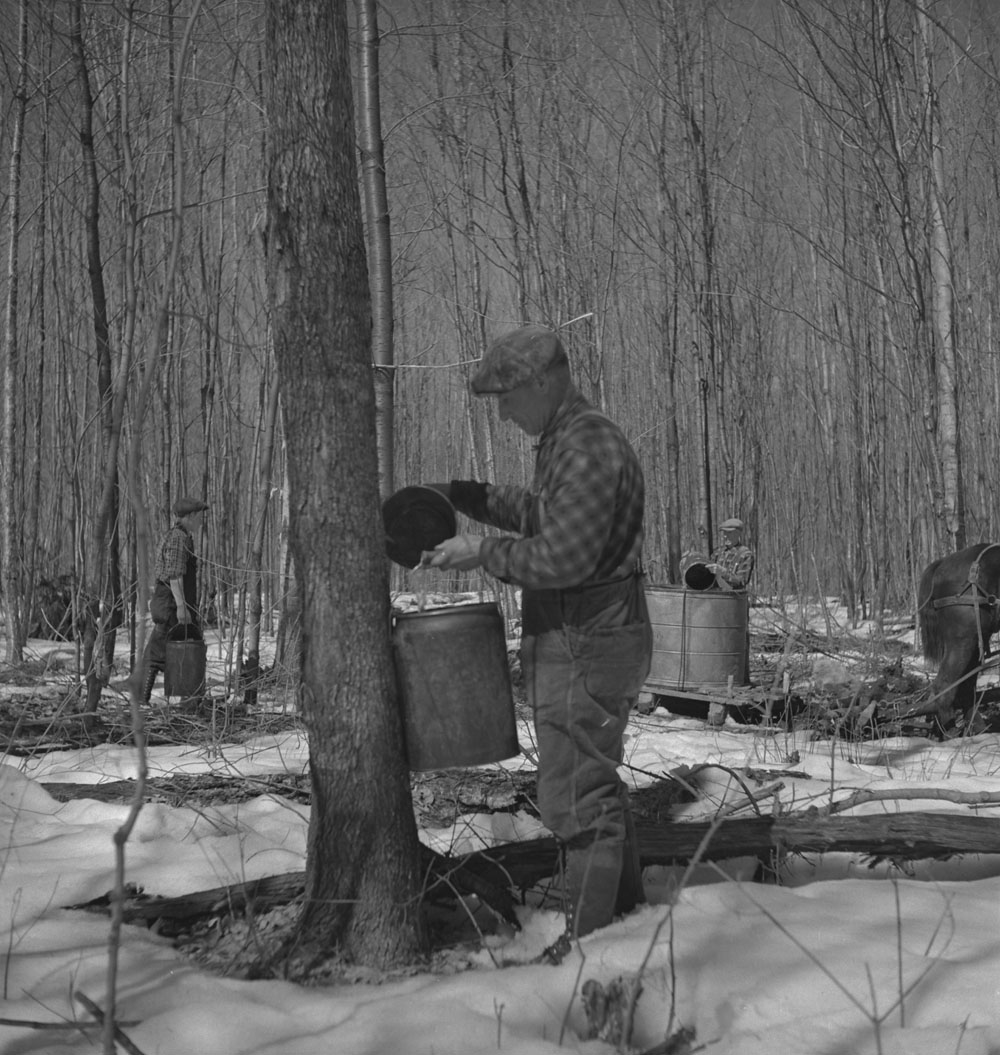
(454, 686)
(699, 638)
(184, 669)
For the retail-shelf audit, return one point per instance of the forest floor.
(846, 685)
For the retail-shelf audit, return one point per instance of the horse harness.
(973, 594)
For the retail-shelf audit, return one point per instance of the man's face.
(732, 536)
(527, 406)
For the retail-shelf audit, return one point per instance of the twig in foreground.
(98, 1014)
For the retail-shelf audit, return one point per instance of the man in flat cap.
(175, 591)
(586, 641)
(732, 562)
(732, 565)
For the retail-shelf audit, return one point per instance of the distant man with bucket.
(175, 591)
(586, 639)
(732, 563)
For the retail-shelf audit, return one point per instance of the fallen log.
(907, 836)
(445, 878)
(495, 875)
(184, 789)
(175, 915)
(911, 836)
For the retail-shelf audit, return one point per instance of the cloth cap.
(516, 358)
(184, 506)
(732, 524)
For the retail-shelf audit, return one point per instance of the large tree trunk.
(362, 881)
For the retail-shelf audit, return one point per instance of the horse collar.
(974, 566)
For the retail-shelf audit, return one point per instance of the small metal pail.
(454, 686)
(184, 670)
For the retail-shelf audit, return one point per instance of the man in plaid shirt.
(586, 638)
(732, 565)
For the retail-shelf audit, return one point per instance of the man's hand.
(177, 589)
(460, 553)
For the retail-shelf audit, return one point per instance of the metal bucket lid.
(416, 519)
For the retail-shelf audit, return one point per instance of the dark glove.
(445, 489)
(469, 497)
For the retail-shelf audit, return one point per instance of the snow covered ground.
(840, 959)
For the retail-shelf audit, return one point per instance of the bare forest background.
(768, 229)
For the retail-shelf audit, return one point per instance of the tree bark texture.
(362, 885)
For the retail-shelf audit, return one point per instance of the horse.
(958, 610)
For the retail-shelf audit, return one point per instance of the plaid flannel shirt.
(172, 559)
(735, 565)
(581, 519)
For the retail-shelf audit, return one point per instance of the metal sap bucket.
(454, 686)
(184, 669)
(700, 638)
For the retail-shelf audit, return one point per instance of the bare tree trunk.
(379, 239)
(952, 512)
(363, 877)
(667, 242)
(252, 668)
(13, 584)
(38, 407)
(102, 585)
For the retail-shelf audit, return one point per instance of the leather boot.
(630, 889)
(593, 874)
(147, 685)
(591, 878)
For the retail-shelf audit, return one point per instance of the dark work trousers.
(585, 654)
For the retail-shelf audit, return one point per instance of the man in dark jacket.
(175, 590)
(586, 638)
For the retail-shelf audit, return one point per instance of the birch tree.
(379, 236)
(951, 510)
